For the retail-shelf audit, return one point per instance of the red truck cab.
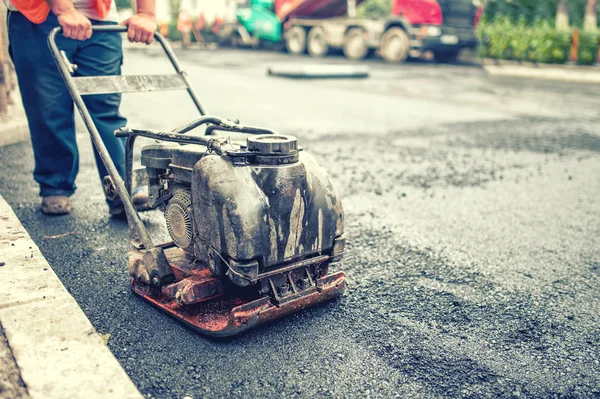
(443, 27)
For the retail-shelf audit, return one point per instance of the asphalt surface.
(473, 223)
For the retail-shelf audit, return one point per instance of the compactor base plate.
(228, 310)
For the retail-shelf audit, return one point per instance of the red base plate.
(229, 314)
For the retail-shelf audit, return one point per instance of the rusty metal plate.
(88, 85)
(194, 289)
(228, 313)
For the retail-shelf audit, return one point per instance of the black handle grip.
(103, 28)
(118, 29)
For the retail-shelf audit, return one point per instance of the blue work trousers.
(49, 106)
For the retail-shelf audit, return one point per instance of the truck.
(443, 27)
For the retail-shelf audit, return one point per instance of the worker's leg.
(98, 56)
(47, 103)
(186, 39)
(199, 37)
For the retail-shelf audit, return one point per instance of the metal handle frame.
(178, 136)
(139, 233)
(123, 29)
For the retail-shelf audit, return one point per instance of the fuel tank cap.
(273, 144)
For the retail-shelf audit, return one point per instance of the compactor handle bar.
(124, 84)
(122, 29)
(79, 86)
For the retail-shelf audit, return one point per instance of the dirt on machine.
(254, 221)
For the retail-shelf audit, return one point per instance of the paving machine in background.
(255, 223)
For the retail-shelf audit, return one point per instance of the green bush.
(173, 35)
(532, 10)
(540, 42)
(588, 48)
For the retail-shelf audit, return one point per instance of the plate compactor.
(255, 224)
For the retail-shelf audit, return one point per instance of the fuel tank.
(262, 205)
(275, 206)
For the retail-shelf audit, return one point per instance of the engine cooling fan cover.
(178, 216)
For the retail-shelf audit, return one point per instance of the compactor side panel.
(334, 204)
(268, 213)
(303, 209)
(229, 211)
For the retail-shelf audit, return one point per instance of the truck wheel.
(394, 45)
(446, 57)
(317, 45)
(355, 45)
(295, 40)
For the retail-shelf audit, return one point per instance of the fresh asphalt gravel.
(473, 223)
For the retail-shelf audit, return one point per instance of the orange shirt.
(200, 23)
(37, 10)
(184, 22)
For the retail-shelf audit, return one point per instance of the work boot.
(140, 201)
(56, 205)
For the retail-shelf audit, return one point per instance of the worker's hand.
(75, 25)
(141, 28)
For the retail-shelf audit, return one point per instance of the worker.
(184, 26)
(216, 26)
(199, 26)
(48, 105)
(163, 29)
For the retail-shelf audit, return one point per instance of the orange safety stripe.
(37, 10)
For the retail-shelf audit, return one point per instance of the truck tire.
(295, 40)
(394, 45)
(316, 43)
(355, 45)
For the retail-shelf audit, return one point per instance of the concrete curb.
(14, 131)
(57, 350)
(571, 73)
(13, 125)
